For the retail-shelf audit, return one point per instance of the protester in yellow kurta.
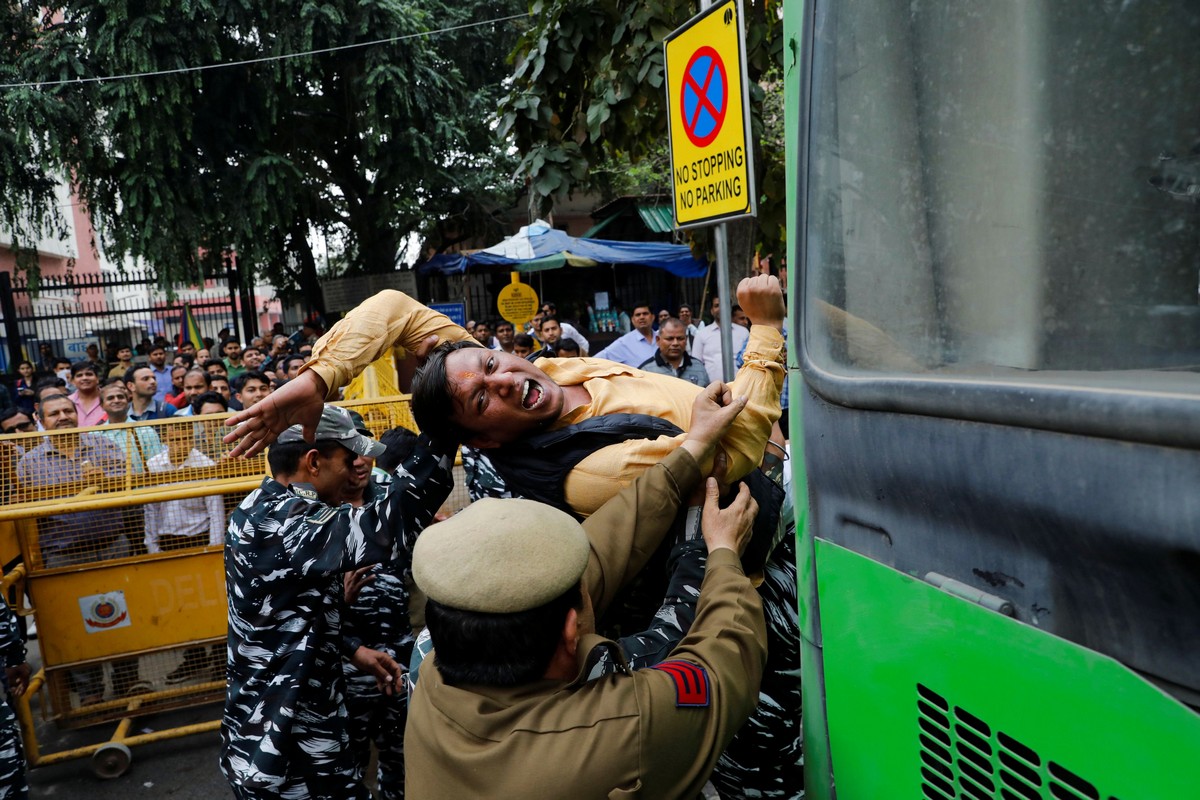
(497, 397)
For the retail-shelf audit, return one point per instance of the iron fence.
(108, 310)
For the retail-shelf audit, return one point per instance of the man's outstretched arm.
(389, 320)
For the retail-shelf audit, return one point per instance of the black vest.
(536, 467)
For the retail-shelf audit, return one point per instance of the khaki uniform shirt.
(392, 319)
(654, 733)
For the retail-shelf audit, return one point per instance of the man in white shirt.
(187, 522)
(639, 344)
(569, 331)
(504, 336)
(685, 316)
(707, 345)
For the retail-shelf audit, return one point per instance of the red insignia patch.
(691, 683)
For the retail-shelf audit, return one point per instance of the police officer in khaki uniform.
(504, 708)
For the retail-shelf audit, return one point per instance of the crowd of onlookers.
(151, 381)
(85, 399)
(154, 380)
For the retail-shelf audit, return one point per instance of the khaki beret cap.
(501, 556)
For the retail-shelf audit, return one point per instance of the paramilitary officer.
(377, 614)
(504, 708)
(16, 680)
(285, 733)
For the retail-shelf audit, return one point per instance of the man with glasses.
(12, 422)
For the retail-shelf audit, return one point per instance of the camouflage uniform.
(672, 620)
(12, 755)
(378, 618)
(285, 732)
(482, 478)
(766, 758)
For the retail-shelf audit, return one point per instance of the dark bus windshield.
(1007, 194)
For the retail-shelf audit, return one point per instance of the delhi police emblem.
(102, 612)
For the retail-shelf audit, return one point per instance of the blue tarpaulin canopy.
(538, 246)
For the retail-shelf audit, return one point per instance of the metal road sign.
(712, 162)
(457, 312)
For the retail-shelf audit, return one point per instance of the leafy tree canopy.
(368, 144)
(588, 100)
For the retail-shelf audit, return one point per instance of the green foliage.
(28, 202)
(369, 145)
(587, 98)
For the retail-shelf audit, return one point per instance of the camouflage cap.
(336, 425)
(501, 556)
(360, 424)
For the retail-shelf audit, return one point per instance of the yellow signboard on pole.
(712, 162)
(517, 302)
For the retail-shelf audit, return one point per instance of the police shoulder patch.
(691, 683)
(321, 517)
(304, 490)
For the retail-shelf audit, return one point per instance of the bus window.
(1006, 192)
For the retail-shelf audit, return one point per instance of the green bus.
(994, 251)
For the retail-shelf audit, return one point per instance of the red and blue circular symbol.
(705, 96)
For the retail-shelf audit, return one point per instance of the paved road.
(183, 768)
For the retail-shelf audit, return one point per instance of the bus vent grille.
(965, 758)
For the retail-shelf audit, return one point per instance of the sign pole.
(721, 245)
(517, 302)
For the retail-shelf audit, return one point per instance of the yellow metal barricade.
(120, 530)
(378, 379)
